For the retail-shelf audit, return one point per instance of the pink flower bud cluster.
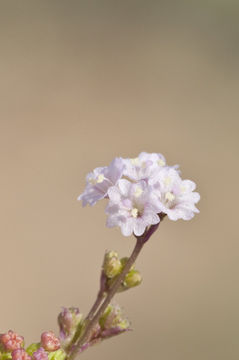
(139, 190)
(11, 341)
(13, 344)
(49, 341)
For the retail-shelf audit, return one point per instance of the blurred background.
(81, 83)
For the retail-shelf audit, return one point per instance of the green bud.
(124, 261)
(133, 278)
(32, 348)
(113, 318)
(57, 355)
(112, 265)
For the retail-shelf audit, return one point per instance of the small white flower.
(143, 167)
(100, 180)
(132, 207)
(176, 196)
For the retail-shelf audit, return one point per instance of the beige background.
(81, 83)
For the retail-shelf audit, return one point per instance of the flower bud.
(68, 320)
(49, 341)
(40, 354)
(20, 354)
(113, 319)
(133, 278)
(112, 265)
(11, 340)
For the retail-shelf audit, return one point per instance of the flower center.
(169, 196)
(135, 212)
(161, 162)
(138, 191)
(167, 181)
(100, 178)
(135, 161)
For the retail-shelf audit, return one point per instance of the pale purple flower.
(177, 196)
(40, 354)
(132, 207)
(100, 180)
(143, 166)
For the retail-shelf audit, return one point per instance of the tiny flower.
(40, 354)
(132, 279)
(112, 265)
(11, 340)
(143, 167)
(100, 180)
(132, 207)
(20, 354)
(49, 341)
(177, 196)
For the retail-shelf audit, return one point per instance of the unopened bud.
(11, 340)
(133, 278)
(112, 265)
(20, 354)
(113, 318)
(68, 320)
(49, 341)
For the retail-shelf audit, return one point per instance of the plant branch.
(140, 241)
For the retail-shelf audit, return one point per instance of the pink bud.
(20, 354)
(11, 340)
(49, 341)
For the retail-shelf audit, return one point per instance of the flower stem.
(92, 321)
(97, 303)
(111, 293)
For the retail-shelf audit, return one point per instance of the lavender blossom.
(132, 207)
(100, 180)
(176, 196)
(143, 167)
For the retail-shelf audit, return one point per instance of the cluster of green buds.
(113, 266)
(12, 347)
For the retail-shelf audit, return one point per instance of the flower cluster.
(139, 190)
(12, 347)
